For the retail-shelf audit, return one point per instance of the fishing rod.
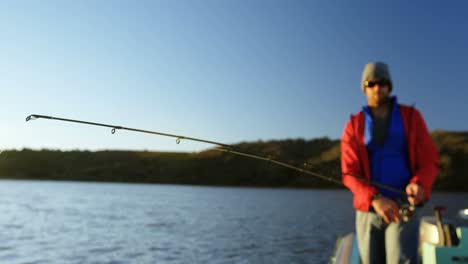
(223, 148)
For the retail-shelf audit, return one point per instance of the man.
(389, 144)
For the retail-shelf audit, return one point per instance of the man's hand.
(415, 194)
(387, 209)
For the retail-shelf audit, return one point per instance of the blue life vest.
(388, 162)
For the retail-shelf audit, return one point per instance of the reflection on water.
(69, 222)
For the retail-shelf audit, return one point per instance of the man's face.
(377, 91)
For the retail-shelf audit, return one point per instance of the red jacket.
(423, 156)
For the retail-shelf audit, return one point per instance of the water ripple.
(104, 250)
(5, 248)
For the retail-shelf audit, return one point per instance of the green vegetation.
(218, 168)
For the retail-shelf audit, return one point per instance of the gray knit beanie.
(376, 71)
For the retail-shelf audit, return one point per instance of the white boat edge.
(346, 250)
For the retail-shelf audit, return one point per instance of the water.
(70, 222)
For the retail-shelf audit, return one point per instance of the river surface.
(71, 222)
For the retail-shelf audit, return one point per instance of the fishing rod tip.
(31, 117)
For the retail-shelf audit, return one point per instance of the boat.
(441, 241)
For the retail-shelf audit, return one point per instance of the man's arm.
(426, 156)
(351, 168)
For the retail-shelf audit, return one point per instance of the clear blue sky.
(225, 70)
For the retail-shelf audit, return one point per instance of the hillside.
(211, 167)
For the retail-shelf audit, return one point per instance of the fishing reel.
(406, 212)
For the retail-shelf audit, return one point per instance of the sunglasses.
(371, 84)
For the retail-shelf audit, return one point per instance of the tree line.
(216, 168)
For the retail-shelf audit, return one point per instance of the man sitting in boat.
(387, 144)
